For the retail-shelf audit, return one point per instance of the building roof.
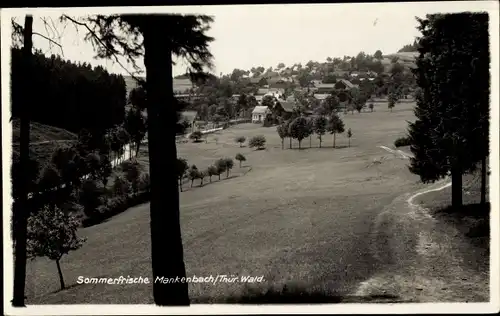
(347, 83)
(321, 96)
(259, 109)
(326, 86)
(262, 91)
(274, 80)
(255, 80)
(288, 105)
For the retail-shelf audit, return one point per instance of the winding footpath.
(427, 257)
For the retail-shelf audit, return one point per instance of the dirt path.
(425, 263)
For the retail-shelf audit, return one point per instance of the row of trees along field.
(68, 95)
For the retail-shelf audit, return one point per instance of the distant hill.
(44, 139)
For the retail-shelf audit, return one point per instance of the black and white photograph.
(291, 158)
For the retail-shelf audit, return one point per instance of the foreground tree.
(450, 133)
(52, 234)
(163, 36)
(20, 215)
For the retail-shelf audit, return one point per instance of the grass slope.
(300, 218)
(44, 139)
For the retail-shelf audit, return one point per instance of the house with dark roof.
(343, 84)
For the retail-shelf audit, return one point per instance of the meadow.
(306, 218)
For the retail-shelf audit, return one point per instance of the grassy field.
(302, 218)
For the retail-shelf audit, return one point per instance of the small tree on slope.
(52, 234)
(335, 126)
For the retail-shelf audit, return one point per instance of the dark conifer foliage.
(450, 134)
(69, 95)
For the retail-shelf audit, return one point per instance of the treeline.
(68, 95)
(409, 48)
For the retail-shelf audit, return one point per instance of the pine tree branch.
(51, 41)
(101, 42)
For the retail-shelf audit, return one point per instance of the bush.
(196, 136)
(116, 205)
(258, 141)
(402, 141)
(120, 186)
(145, 182)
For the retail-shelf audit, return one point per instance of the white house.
(259, 113)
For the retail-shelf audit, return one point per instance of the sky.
(265, 35)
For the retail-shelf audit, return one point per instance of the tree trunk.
(180, 184)
(334, 136)
(456, 188)
(320, 140)
(201, 182)
(240, 163)
(227, 173)
(162, 120)
(290, 143)
(219, 176)
(282, 143)
(349, 142)
(59, 271)
(210, 178)
(192, 181)
(310, 140)
(300, 141)
(137, 148)
(483, 181)
(21, 212)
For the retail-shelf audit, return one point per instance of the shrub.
(145, 182)
(402, 141)
(120, 186)
(258, 141)
(240, 158)
(91, 197)
(132, 174)
(196, 136)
